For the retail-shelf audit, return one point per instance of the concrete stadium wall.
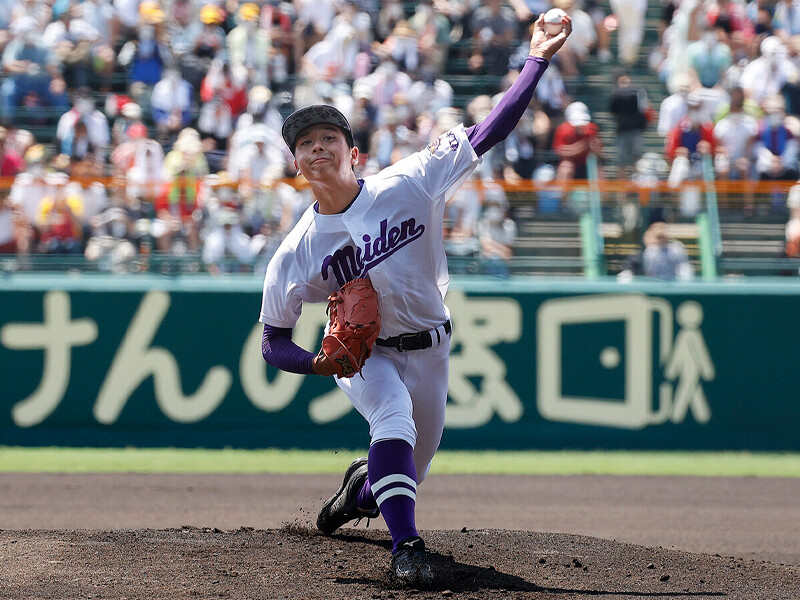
(153, 361)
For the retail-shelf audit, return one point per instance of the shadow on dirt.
(461, 577)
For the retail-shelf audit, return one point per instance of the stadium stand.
(560, 219)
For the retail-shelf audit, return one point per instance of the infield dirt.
(296, 563)
(171, 536)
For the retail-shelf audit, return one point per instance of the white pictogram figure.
(57, 335)
(689, 362)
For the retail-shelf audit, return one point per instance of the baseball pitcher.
(372, 249)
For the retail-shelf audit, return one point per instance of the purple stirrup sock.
(393, 483)
(365, 499)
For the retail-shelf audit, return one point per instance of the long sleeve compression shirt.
(277, 346)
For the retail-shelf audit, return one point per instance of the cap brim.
(316, 114)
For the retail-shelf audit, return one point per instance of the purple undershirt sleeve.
(504, 117)
(280, 351)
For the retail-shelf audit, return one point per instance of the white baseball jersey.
(392, 232)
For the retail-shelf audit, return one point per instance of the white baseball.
(552, 21)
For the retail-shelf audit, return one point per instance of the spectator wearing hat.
(776, 147)
(249, 48)
(687, 148)
(171, 103)
(139, 161)
(675, 106)
(402, 45)
(574, 140)
(110, 243)
(33, 73)
(687, 137)
(130, 114)
(364, 114)
(29, 186)
(11, 162)
(146, 54)
(767, 75)
(19, 140)
(185, 166)
(86, 119)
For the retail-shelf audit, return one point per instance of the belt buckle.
(400, 339)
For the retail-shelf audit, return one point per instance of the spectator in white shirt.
(767, 75)
(83, 110)
(171, 102)
(675, 107)
(735, 134)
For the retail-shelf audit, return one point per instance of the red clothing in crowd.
(178, 197)
(566, 134)
(11, 164)
(683, 136)
(735, 14)
(235, 97)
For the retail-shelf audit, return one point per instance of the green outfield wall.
(536, 364)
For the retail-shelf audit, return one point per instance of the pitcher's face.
(322, 152)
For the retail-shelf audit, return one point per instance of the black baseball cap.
(315, 114)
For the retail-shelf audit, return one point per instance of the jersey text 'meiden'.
(350, 263)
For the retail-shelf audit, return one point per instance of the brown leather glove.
(355, 323)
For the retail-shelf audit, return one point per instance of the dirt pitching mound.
(296, 563)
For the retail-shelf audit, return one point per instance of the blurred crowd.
(185, 157)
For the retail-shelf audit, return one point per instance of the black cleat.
(410, 565)
(341, 508)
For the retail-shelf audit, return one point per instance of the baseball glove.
(354, 326)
